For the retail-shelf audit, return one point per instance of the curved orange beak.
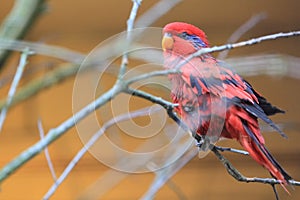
(167, 42)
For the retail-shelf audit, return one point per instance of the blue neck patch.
(197, 41)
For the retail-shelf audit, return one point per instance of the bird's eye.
(168, 34)
(184, 35)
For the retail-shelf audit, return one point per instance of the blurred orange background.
(81, 25)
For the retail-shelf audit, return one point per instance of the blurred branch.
(19, 20)
(57, 52)
(14, 85)
(155, 12)
(43, 49)
(267, 64)
(241, 31)
(90, 143)
(47, 155)
(112, 177)
(163, 175)
(176, 189)
(35, 86)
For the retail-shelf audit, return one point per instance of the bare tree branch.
(157, 100)
(152, 74)
(19, 20)
(241, 31)
(231, 150)
(14, 84)
(130, 22)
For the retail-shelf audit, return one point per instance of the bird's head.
(183, 39)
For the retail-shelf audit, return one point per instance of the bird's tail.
(260, 153)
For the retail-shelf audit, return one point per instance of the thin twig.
(231, 150)
(14, 84)
(255, 19)
(46, 151)
(130, 23)
(154, 99)
(275, 192)
(152, 74)
(90, 143)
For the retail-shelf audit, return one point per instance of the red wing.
(206, 77)
(218, 81)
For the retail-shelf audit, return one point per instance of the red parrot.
(213, 99)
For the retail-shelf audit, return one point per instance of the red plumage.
(214, 100)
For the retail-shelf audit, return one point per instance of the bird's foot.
(203, 144)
